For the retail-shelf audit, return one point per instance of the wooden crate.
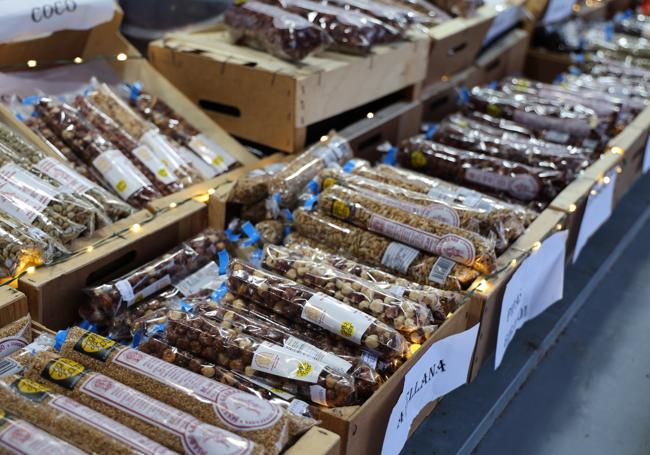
(317, 441)
(55, 292)
(278, 104)
(456, 43)
(441, 99)
(505, 57)
(105, 41)
(13, 305)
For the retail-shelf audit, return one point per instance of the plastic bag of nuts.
(176, 127)
(20, 436)
(288, 183)
(112, 298)
(287, 370)
(379, 251)
(67, 419)
(276, 31)
(211, 402)
(254, 186)
(113, 106)
(236, 317)
(413, 320)
(398, 19)
(436, 299)
(82, 184)
(89, 145)
(293, 301)
(140, 156)
(158, 346)
(175, 429)
(497, 224)
(427, 235)
(21, 247)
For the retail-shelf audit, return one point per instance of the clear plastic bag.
(422, 12)
(144, 132)
(293, 301)
(176, 127)
(21, 249)
(505, 179)
(379, 251)
(427, 235)
(207, 400)
(303, 376)
(396, 20)
(155, 419)
(90, 146)
(254, 186)
(276, 31)
(110, 299)
(288, 183)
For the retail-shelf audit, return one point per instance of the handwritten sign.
(443, 368)
(22, 20)
(646, 156)
(536, 284)
(558, 10)
(598, 210)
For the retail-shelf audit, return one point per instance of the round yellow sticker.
(328, 181)
(340, 210)
(493, 110)
(95, 343)
(304, 368)
(65, 368)
(121, 186)
(418, 159)
(28, 386)
(347, 329)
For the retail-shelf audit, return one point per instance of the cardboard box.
(317, 441)
(456, 43)
(505, 57)
(279, 104)
(55, 293)
(13, 305)
(99, 47)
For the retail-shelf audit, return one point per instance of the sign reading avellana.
(21, 20)
(441, 369)
(598, 210)
(536, 284)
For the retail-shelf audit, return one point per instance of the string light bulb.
(78, 60)
(593, 192)
(558, 227)
(513, 262)
(32, 63)
(444, 78)
(211, 191)
(619, 170)
(136, 228)
(536, 246)
(31, 269)
(370, 115)
(324, 138)
(617, 151)
(572, 208)
(121, 57)
(607, 179)
(482, 286)
(90, 249)
(173, 205)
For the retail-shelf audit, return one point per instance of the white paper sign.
(443, 368)
(558, 10)
(507, 18)
(598, 210)
(536, 284)
(646, 156)
(22, 20)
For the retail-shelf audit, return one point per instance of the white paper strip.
(598, 210)
(443, 368)
(22, 20)
(536, 284)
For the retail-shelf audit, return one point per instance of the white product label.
(22, 194)
(598, 210)
(126, 290)
(522, 186)
(9, 366)
(318, 394)
(441, 369)
(535, 285)
(107, 425)
(207, 172)
(160, 147)
(205, 278)
(22, 438)
(237, 409)
(451, 246)
(298, 407)
(68, 178)
(154, 164)
(397, 290)
(198, 438)
(336, 317)
(28, 19)
(130, 297)
(370, 359)
(441, 270)
(11, 344)
(120, 173)
(573, 126)
(399, 257)
(283, 362)
(211, 152)
(308, 350)
(646, 156)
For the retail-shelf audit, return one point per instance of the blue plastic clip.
(309, 203)
(224, 260)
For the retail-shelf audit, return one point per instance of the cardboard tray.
(456, 43)
(105, 42)
(271, 102)
(13, 305)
